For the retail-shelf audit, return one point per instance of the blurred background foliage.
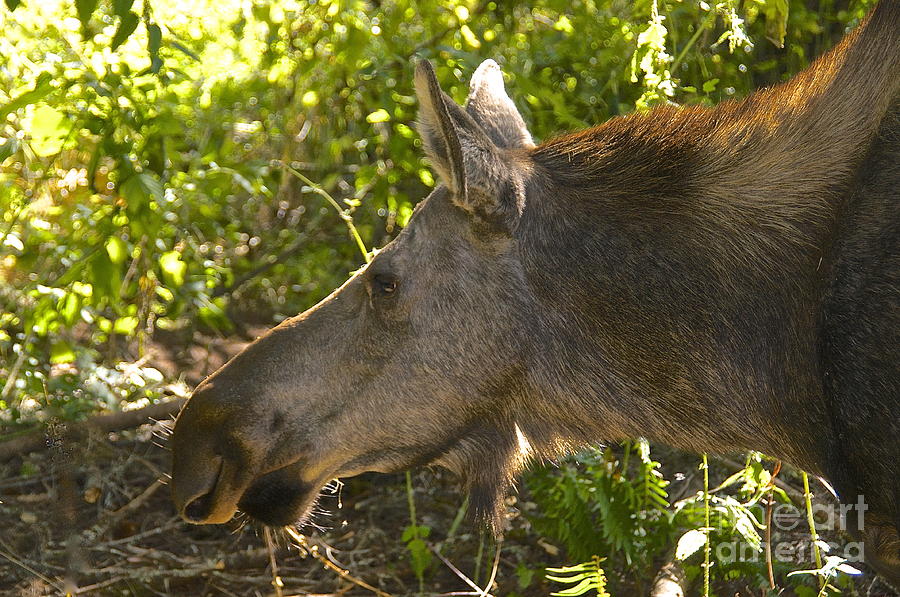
(144, 148)
(146, 151)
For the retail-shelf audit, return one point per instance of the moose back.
(716, 279)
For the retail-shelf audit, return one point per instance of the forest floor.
(95, 517)
(104, 524)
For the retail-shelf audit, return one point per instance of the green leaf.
(776, 12)
(49, 129)
(12, 4)
(213, 314)
(571, 579)
(415, 532)
(43, 85)
(567, 569)
(419, 555)
(116, 249)
(564, 24)
(154, 41)
(85, 9)
(310, 99)
(104, 324)
(82, 289)
(125, 325)
(140, 189)
(122, 7)
(579, 589)
(69, 308)
(8, 147)
(736, 476)
(689, 544)
(61, 352)
(409, 533)
(128, 23)
(710, 86)
(173, 267)
(105, 276)
(379, 115)
(525, 575)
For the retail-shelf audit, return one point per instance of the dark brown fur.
(715, 279)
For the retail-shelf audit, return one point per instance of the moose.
(715, 279)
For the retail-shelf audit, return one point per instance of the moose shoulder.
(716, 279)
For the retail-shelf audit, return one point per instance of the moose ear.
(466, 158)
(491, 107)
(442, 144)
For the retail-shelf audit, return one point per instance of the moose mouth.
(280, 498)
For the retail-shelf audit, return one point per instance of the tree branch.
(38, 440)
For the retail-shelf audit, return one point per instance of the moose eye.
(384, 284)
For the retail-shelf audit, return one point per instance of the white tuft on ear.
(490, 106)
(463, 150)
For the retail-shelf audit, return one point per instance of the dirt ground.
(99, 521)
(94, 517)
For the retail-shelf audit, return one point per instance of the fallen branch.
(139, 501)
(40, 439)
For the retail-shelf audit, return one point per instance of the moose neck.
(679, 256)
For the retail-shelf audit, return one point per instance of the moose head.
(420, 357)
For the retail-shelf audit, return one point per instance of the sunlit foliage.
(144, 145)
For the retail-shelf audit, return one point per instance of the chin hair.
(488, 461)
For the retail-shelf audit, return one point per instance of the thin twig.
(490, 583)
(14, 372)
(28, 568)
(173, 522)
(812, 530)
(455, 570)
(343, 213)
(139, 500)
(769, 510)
(270, 548)
(314, 552)
(99, 585)
(707, 529)
(769, 502)
(703, 25)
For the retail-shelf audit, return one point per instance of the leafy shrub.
(601, 503)
(144, 147)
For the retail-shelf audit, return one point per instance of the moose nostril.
(198, 509)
